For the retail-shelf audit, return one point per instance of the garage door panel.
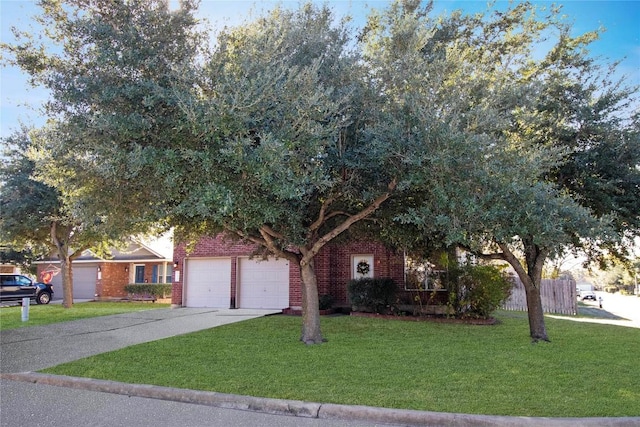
(84, 282)
(263, 283)
(208, 282)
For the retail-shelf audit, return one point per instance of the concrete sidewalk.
(25, 350)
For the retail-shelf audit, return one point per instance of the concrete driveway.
(39, 347)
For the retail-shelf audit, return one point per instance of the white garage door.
(84, 282)
(263, 284)
(208, 282)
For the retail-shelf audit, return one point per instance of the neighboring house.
(9, 269)
(218, 272)
(105, 279)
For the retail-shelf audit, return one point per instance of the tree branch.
(492, 256)
(321, 215)
(513, 261)
(352, 220)
(271, 232)
(266, 241)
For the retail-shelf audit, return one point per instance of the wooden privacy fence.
(558, 296)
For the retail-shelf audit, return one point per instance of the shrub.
(158, 290)
(477, 290)
(326, 302)
(371, 294)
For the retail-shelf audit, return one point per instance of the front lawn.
(11, 317)
(588, 370)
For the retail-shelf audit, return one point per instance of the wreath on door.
(363, 268)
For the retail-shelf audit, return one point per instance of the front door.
(139, 273)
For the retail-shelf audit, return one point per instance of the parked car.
(14, 287)
(587, 295)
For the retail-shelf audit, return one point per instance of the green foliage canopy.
(290, 133)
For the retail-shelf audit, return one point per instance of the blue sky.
(621, 41)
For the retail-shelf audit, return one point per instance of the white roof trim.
(108, 261)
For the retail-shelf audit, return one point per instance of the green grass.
(11, 317)
(587, 370)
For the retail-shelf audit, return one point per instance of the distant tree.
(618, 275)
(92, 208)
(33, 213)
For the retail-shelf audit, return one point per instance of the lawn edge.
(311, 409)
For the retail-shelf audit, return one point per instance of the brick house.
(104, 279)
(219, 272)
(9, 268)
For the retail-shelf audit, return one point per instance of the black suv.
(16, 286)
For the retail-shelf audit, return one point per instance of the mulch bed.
(436, 319)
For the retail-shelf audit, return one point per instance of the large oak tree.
(262, 137)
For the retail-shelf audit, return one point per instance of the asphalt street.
(613, 309)
(28, 404)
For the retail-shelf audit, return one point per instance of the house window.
(139, 273)
(421, 275)
(157, 274)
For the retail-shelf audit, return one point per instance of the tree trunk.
(67, 282)
(311, 333)
(62, 247)
(537, 328)
(531, 278)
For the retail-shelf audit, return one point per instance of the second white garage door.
(208, 282)
(263, 284)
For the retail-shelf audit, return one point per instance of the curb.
(303, 409)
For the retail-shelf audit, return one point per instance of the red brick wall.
(114, 278)
(332, 265)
